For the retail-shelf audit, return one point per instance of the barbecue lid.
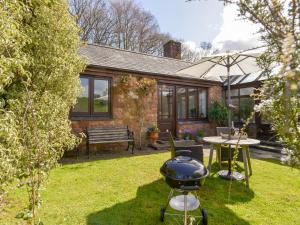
(183, 168)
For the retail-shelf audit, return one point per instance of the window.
(243, 103)
(95, 98)
(235, 112)
(165, 100)
(191, 103)
(192, 93)
(181, 103)
(246, 91)
(101, 100)
(83, 100)
(246, 107)
(202, 103)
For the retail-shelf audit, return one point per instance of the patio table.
(215, 144)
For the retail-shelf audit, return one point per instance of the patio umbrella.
(215, 67)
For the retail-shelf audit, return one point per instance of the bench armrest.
(130, 134)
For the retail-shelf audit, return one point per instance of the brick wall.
(120, 117)
(214, 94)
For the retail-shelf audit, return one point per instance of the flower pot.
(199, 139)
(153, 136)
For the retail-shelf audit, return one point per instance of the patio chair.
(223, 150)
(194, 151)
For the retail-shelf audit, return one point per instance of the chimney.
(172, 49)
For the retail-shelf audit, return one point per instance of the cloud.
(235, 33)
(191, 45)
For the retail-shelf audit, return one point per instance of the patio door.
(166, 109)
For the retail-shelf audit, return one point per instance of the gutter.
(156, 74)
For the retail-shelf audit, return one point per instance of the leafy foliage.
(121, 24)
(280, 95)
(218, 113)
(12, 61)
(39, 73)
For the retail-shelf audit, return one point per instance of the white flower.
(133, 95)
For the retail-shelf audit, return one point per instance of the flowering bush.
(188, 134)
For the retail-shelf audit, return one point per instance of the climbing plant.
(138, 93)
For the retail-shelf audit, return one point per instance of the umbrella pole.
(229, 98)
(229, 114)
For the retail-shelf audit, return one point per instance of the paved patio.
(104, 155)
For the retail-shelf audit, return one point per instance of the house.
(180, 101)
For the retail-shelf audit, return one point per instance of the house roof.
(103, 56)
(119, 59)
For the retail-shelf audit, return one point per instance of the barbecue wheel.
(162, 214)
(204, 217)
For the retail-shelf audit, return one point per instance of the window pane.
(192, 93)
(101, 95)
(235, 112)
(202, 103)
(233, 92)
(246, 91)
(82, 104)
(166, 96)
(246, 107)
(181, 103)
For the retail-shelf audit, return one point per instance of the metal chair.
(194, 151)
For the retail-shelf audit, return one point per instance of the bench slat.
(108, 132)
(107, 135)
(102, 129)
(104, 139)
(97, 135)
(109, 141)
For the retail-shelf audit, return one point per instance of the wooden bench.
(97, 135)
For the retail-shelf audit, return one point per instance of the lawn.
(130, 190)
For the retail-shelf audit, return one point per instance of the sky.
(204, 20)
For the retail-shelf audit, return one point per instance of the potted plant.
(187, 135)
(200, 136)
(218, 113)
(153, 134)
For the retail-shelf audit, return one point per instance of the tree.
(122, 24)
(12, 62)
(37, 93)
(95, 19)
(280, 94)
(190, 52)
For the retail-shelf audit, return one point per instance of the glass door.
(166, 117)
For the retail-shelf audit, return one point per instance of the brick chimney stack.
(172, 49)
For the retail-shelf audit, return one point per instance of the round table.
(216, 142)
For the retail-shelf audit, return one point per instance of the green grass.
(83, 105)
(130, 190)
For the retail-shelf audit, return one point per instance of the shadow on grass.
(108, 156)
(144, 209)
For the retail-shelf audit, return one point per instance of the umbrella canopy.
(215, 67)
